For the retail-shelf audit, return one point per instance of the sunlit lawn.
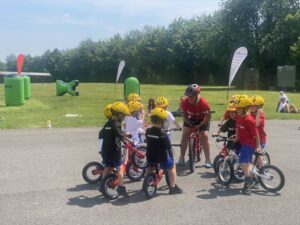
(45, 105)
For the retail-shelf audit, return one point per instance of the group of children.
(245, 126)
(128, 119)
(244, 120)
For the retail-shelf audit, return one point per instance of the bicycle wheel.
(191, 155)
(92, 172)
(149, 187)
(134, 173)
(225, 173)
(238, 173)
(265, 156)
(139, 161)
(109, 186)
(199, 154)
(271, 179)
(216, 163)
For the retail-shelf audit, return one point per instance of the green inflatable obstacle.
(131, 85)
(63, 88)
(14, 90)
(27, 89)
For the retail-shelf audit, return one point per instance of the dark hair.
(156, 120)
(151, 104)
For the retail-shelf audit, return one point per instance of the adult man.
(196, 113)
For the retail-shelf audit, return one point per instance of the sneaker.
(175, 190)
(122, 191)
(249, 182)
(208, 164)
(180, 162)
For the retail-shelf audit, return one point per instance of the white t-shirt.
(169, 120)
(133, 126)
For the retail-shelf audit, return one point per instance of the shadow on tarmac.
(219, 190)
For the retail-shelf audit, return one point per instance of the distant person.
(151, 105)
(284, 105)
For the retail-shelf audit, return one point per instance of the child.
(247, 135)
(112, 134)
(151, 105)
(256, 111)
(107, 114)
(134, 124)
(230, 125)
(163, 103)
(158, 147)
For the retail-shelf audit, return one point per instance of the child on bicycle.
(112, 134)
(133, 123)
(107, 114)
(247, 135)
(229, 126)
(158, 147)
(256, 111)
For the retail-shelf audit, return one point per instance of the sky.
(34, 26)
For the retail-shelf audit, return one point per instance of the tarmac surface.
(41, 183)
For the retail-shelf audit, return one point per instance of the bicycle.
(152, 179)
(222, 154)
(194, 147)
(136, 160)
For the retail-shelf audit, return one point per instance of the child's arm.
(257, 119)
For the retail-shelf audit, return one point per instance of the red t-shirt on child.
(261, 127)
(247, 130)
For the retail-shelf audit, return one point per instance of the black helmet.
(192, 89)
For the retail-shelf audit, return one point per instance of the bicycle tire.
(191, 155)
(149, 182)
(140, 163)
(108, 189)
(266, 169)
(238, 173)
(134, 173)
(216, 163)
(266, 159)
(225, 175)
(90, 177)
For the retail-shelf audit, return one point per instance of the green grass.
(45, 105)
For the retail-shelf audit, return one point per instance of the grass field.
(45, 105)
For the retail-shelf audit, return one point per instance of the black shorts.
(205, 127)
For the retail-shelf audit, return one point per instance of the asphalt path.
(41, 183)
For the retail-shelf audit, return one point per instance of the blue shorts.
(246, 154)
(169, 163)
(114, 164)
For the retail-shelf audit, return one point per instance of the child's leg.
(106, 171)
(172, 176)
(120, 175)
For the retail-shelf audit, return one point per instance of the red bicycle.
(133, 157)
(222, 154)
(195, 147)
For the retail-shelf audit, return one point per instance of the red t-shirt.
(247, 130)
(195, 111)
(261, 127)
(226, 115)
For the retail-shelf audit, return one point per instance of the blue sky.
(33, 26)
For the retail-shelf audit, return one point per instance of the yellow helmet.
(159, 112)
(161, 102)
(233, 98)
(257, 100)
(120, 107)
(134, 106)
(107, 111)
(133, 97)
(242, 102)
(231, 108)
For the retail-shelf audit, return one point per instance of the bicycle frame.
(195, 135)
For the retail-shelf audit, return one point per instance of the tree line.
(199, 49)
